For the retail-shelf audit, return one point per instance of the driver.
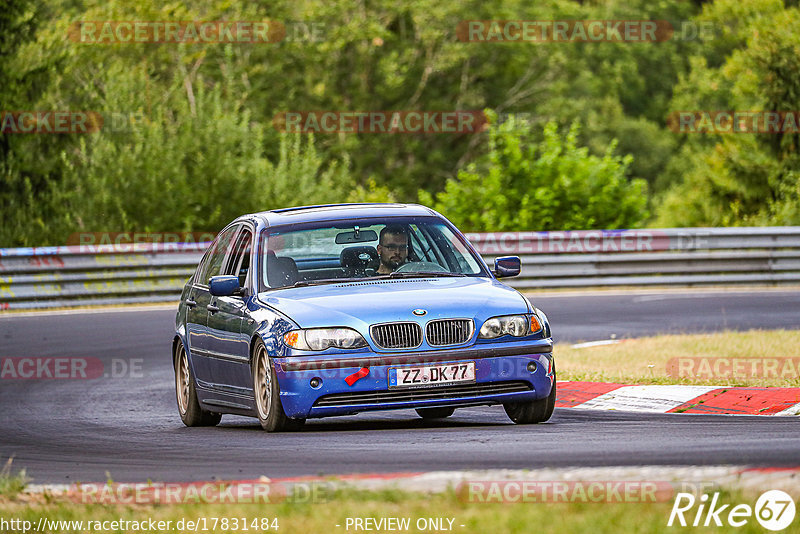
(392, 248)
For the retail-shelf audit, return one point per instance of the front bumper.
(501, 375)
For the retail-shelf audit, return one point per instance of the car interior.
(322, 254)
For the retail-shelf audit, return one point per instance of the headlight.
(492, 328)
(513, 325)
(324, 338)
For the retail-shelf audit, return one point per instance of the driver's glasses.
(393, 246)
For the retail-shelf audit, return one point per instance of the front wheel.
(267, 395)
(188, 405)
(531, 412)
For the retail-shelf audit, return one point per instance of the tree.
(188, 165)
(550, 185)
(28, 175)
(740, 178)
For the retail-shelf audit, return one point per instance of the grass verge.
(332, 515)
(11, 484)
(766, 358)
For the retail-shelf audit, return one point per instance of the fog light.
(315, 382)
(532, 366)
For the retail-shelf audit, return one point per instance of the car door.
(199, 299)
(229, 348)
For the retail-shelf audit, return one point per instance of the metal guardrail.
(684, 257)
(90, 275)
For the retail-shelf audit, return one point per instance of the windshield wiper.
(421, 274)
(402, 274)
(322, 281)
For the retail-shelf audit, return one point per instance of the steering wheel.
(421, 266)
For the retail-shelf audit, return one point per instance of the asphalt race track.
(128, 428)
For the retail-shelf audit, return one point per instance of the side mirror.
(224, 286)
(507, 266)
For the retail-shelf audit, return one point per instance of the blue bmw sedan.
(333, 310)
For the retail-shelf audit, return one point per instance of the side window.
(239, 263)
(212, 263)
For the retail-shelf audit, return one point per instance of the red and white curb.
(679, 399)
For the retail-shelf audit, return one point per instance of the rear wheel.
(188, 405)
(435, 413)
(531, 412)
(267, 395)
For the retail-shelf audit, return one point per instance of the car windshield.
(337, 251)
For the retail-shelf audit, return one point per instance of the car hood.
(360, 304)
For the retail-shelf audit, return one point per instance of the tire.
(435, 413)
(532, 412)
(267, 395)
(188, 406)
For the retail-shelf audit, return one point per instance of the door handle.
(191, 303)
(212, 308)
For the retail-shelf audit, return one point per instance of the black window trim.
(267, 230)
(238, 225)
(244, 228)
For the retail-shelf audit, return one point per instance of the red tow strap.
(358, 375)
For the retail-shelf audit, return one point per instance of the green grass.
(11, 484)
(645, 360)
(561, 518)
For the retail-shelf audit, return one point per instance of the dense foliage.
(744, 178)
(188, 140)
(550, 185)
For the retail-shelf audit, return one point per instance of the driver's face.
(393, 252)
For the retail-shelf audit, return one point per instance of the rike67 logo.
(774, 510)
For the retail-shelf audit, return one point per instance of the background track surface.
(128, 428)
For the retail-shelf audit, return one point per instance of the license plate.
(431, 375)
